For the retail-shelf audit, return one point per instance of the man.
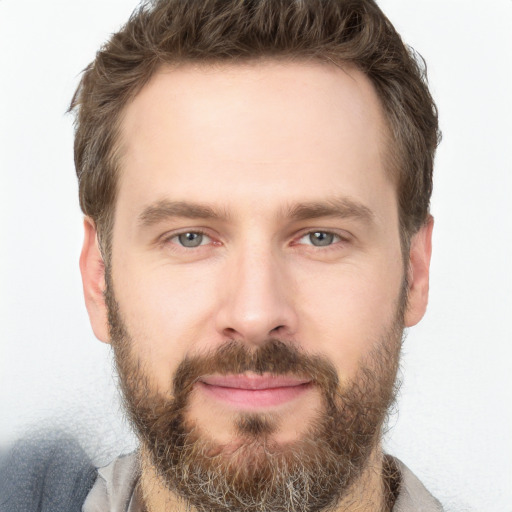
(256, 178)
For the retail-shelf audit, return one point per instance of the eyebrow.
(165, 209)
(342, 207)
(333, 207)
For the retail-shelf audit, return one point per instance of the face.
(257, 281)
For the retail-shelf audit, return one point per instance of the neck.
(371, 492)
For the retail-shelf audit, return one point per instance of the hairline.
(390, 147)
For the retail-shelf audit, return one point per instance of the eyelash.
(338, 238)
(167, 241)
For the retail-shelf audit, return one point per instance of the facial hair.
(254, 473)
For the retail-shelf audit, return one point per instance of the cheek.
(347, 311)
(167, 313)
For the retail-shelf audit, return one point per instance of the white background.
(454, 426)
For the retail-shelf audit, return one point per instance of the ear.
(92, 269)
(419, 270)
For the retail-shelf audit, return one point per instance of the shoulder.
(115, 488)
(49, 473)
(413, 495)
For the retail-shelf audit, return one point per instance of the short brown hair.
(176, 31)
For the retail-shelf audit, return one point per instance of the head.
(256, 179)
(339, 32)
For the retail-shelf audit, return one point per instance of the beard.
(253, 472)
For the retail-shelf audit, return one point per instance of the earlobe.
(92, 269)
(419, 271)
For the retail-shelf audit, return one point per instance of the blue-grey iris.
(190, 239)
(321, 238)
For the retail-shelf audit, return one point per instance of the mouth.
(252, 391)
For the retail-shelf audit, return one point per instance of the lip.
(251, 391)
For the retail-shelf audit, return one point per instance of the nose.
(256, 298)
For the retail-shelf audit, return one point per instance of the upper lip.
(253, 381)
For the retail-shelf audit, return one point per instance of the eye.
(191, 239)
(320, 238)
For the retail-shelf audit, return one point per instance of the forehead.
(299, 127)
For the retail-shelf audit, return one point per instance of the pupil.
(320, 238)
(191, 239)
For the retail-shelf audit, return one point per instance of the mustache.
(273, 357)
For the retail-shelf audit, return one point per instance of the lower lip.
(255, 398)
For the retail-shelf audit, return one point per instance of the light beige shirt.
(114, 490)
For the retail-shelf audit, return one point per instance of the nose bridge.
(257, 304)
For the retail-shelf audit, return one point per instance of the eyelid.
(169, 236)
(341, 236)
(164, 239)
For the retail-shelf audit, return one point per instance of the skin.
(253, 143)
